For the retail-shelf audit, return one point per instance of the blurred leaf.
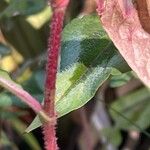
(5, 100)
(23, 7)
(32, 86)
(5, 75)
(4, 50)
(39, 79)
(29, 138)
(39, 19)
(109, 135)
(88, 57)
(135, 107)
(5, 143)
(5, 114)
(17, 90)
(120, 80)
(8, 64)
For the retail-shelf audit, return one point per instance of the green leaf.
(120, 80)
(23, 7)
(135, 108)
(88, 57)
(87, 60)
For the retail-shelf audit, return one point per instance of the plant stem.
(21, 93)
(54, 41)
(25, 97)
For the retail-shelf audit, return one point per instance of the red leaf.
(129, 33)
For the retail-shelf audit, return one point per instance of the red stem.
(51, 71)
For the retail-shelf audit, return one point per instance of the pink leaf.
(126, 27)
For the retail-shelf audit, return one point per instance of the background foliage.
(90, 65)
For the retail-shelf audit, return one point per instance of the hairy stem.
(54, 41)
